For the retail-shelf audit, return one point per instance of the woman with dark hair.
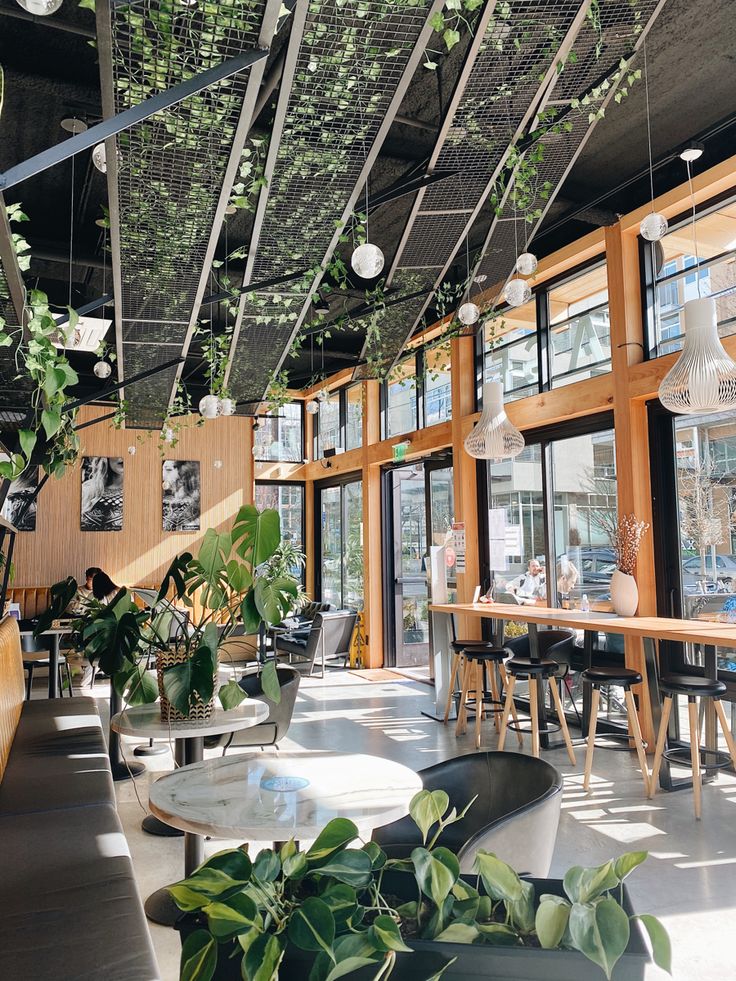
(103, 588)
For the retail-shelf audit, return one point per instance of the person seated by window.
(84, 593)
(567, 577)
(104, 589)
(531, 586)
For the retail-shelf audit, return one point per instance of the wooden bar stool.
(693, 687)
(476, 661)
(621, 678)
(537, 672)
(454, 685)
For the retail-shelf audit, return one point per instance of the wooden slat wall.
(12, 687)
(139, 553)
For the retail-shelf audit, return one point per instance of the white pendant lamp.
(367, 261)
(468, 314)
(527, 264)
(704, 377)
(40, 8)
(209, 407)
(227, 407)
(494, 436)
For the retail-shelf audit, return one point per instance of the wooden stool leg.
(592, 726)
(451, 685)
(508, 709)
(534, 715)
(635, 729)
(494, 694)
(462, 711)
(563, 721)
(514, 716)
(692, 711)
(661, 740)
(726, 730)
(479, 705)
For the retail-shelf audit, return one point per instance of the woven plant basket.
(199, 712)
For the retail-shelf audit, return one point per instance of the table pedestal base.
(160, 908)
(152, 826)
(124, 771)
(153, 749)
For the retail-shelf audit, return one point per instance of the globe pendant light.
(99, 158)
(653, 227)
(494, 437)
(312, 407)
(102, 369)
(704, 377)
(40, 8)
(367, 261)
(468, 314)
(227, 407)
(526, 264)
(517, 292)
(209, 407)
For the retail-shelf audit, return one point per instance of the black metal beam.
(400, 188)
(363, 310)
(53, 22)
(111, 389)
(252, 288)
(130, 117)
(88, 308)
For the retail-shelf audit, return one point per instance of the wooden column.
(632, 433)
(309, 543)
(372, 553)
(249, 491)
(464, 469)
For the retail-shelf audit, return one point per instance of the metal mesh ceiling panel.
(497, 92)
(348, 70)
(14, 391)
(598, 50)
(170, 171)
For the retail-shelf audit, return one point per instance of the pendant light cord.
(694, 225)
(649, 126)
(71, 235)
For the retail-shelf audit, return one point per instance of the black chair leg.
(29, 684)
(69, 678)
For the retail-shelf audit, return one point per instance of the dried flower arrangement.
(627, 541)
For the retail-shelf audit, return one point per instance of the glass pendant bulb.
(703, 379)
(517, 292)
(367, 261)
(209, 407)
(526, 264)
(653, 227)
(227, 407)
(40, 8)
(468, 314)
(102, 369)
(494, 436)
(99, 158)
(312, 407)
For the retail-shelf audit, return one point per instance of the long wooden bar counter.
(705, 633)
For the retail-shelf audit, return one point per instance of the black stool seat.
(526, 666)
(481, 645)
(623, 677)
(688, 684)
(486, 654)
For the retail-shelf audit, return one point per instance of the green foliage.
(329, 903)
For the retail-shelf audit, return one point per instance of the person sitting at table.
(531, 586)
(104, 589)
(84, 593)
(567, 577)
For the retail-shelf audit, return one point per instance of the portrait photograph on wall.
(16, 508)
(181, 495)
(102, 493)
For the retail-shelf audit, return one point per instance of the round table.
(275, 798)
(145, 721)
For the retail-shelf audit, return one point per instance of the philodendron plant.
(231, 580)
(332, 908)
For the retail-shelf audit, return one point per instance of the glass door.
(331, 546)
(340, 567)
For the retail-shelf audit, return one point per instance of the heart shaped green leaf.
(198, 957)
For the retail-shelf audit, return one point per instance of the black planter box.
(473, 961)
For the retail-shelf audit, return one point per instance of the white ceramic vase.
(624, 594)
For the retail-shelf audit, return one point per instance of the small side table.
(145, 721)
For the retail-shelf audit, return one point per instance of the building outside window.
(401, 399)
(579, 327)
(288, 500)
(341, 541)
(279, 435)
(328, 424)
(511, 351)
(437, 387)
(354, 417)
(339, 423)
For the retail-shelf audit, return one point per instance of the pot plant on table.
(626, 542)
(342, 908)
(226, 585)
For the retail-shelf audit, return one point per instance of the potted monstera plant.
(342, 908)
(201, 601)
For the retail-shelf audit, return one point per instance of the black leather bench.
(70, 905)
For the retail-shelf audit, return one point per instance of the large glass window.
(279, 435)
(341, 558)
(288, 500)
(510, 351)
(339, 422)
(401, 399)
(328, 424)
(437, 388)
(354, 417)
(579, 331)
(679, 276)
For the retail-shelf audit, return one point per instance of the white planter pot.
(624, 594)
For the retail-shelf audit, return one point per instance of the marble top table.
(275, 798)
(145, 721)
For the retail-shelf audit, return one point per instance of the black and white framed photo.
(102, 493)
(16, 508)
(181, 495)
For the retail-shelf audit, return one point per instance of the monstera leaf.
(256, 534)
(113, 634)
(195, 676)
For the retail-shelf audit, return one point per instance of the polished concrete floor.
(689, 879)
